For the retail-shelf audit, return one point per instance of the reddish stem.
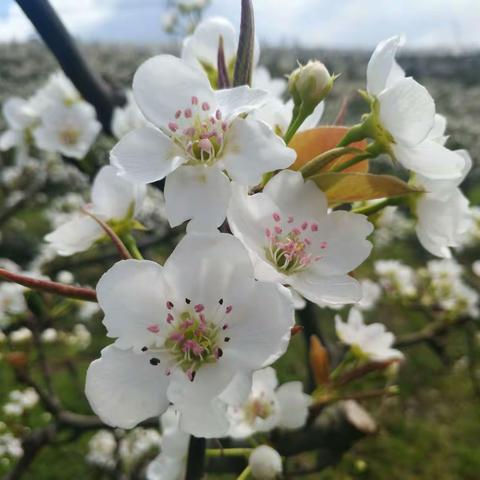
(80, 293)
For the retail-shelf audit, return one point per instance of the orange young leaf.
(311, 143)
(341, 187)
(319, 361)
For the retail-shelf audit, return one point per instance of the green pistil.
(203, 334)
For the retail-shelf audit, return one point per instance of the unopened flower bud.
(309, 84)
(265, 462)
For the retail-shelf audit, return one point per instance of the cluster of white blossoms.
(19, 402)
(194, 338)
(444, 288)
(55, 119)
(10, 446)
(440, 286)
(193, 332)
(131, 448)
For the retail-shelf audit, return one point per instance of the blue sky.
(431, 24)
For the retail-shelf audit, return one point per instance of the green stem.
(322, 160)
(228, 452)
(351, 162)
(245, 474)
(131, 244)
(376, 207)
(295, 124)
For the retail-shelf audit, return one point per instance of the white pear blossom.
(198, 134)
(127, 118)
(370, 341)
(58, 91)
(445, 288)
(371, 293)
(191, 333)
(101, 450)
(21, 118)
(396, 278)
(265, 463)
(269, 406)
(294, 240)
(20, 401)
(443, 213)
(201, 48)
(137, 444)
(171, 464)
(278, 115)
(263, 80)
(12, 301)
(391, 224)
(10, 446)
(70, 131)
(22, 335)
(407, 115)
(49, 335)
(113, 198)
(80, 338)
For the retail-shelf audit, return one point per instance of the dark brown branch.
(437, 328)
(48, 286)
(32, 444)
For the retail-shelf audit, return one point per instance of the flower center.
(199, 131)
(289, 244)
(192, 340)
(259, 407)
(69, 136)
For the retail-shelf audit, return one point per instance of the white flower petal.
(247, 214)
(252, 149)
(18, 113)
(198, 193)
(262, 79)
(165, 84)
(76, 235)
(314, 119)
(382, 63)
(114, 196)
(205, 268)
(133, 296)
(123, 388)
(235, 101)
(202, 413)
(293, 405)
(335, 289)
(295, 196)
(263, 334)
(442, 221)
(202, 46)
(441, 188)
(10, 139)
(431, 160)
(437, 133)
(407, 111)
(344, 233)
(146, 155)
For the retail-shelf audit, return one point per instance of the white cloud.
(327, 23)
